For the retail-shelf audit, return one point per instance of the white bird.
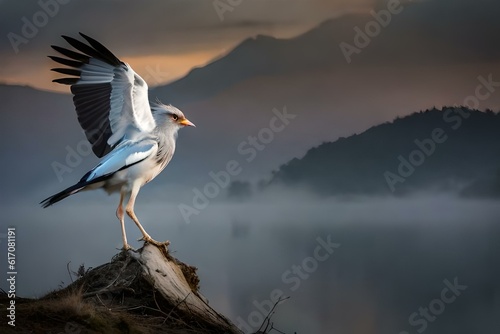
(136, 141)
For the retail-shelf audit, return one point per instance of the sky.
(168, 37)
(163, 40)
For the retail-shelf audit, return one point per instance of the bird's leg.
(130, 212)
(121, 218)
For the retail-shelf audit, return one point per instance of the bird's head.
(170, 118)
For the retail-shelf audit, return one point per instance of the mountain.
(415, 37)
(448, 149)
(426, 57)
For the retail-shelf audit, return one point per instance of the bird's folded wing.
(127, 154)
(111, 100)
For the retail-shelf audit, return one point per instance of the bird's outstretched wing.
(111, 100)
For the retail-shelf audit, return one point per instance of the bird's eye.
(175, 117)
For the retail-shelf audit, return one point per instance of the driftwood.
(150, 284)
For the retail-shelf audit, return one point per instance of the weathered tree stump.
(151, 285)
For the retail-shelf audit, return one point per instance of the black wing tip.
(71, 40)
(106, 54)
(87, 37)
(93, 49)
(66, 81)
(57, 47)
(92, 41)
(67, 62)
(67, 71)
(72, 55)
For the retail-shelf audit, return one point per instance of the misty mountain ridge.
(452, 149)
(438, 42)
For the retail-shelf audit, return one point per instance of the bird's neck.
(167, 135)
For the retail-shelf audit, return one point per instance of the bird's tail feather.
(63, 194)
(74, 189)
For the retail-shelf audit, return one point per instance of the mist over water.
(391, 257)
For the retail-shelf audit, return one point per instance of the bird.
(134, 139)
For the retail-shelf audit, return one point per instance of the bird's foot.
(148, 239)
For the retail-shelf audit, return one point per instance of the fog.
(366, 264)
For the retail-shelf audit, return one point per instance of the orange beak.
(186, 122)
